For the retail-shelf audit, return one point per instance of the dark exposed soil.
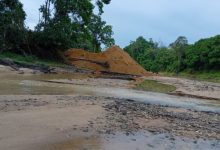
(128, 116)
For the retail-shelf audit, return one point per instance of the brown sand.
(113, 59)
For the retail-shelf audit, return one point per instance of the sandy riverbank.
(185, 87)
(80, 121)
(39, 122)
(193, 88)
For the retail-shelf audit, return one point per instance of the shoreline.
(63, 117)
(190, 88)
(184, 87)
(55, 122)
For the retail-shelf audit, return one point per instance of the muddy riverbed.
(84, 113)
(87, 122)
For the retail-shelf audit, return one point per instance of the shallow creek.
(31, 84)
(140, 141)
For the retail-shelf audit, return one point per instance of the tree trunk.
(45, 12)
(3, 42)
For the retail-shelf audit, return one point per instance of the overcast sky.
(162, 20)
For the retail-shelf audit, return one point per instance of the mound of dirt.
(113, 60)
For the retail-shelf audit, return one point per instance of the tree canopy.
(72, 23)
(179, 56)
(204, 54)
(12, 26)
(63, 24)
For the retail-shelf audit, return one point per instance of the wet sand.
(76, 122)
(81, 121)
(29, 122)
(202, 89)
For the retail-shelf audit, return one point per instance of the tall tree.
(12, 26)
(138, 47)
(46, 12)
(100, 33)
(180, 46)
(71, 24)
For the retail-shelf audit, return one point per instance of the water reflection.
(149, 141)
(79, 143)
(139, 141)
(12, 84)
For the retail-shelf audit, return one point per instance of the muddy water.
(12, 84)
(157, 98)
(139, 141)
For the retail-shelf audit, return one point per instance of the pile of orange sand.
(113, 59)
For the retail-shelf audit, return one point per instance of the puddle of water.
(161, 99)
(79, 143)
(12, 84)
(139, 141)
(27, 84)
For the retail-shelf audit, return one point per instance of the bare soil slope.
(113, 59)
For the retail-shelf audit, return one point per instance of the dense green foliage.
(204, 55)
(12, 27)
(210, 75)
(64, 24)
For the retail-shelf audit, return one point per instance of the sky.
(162, 20)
